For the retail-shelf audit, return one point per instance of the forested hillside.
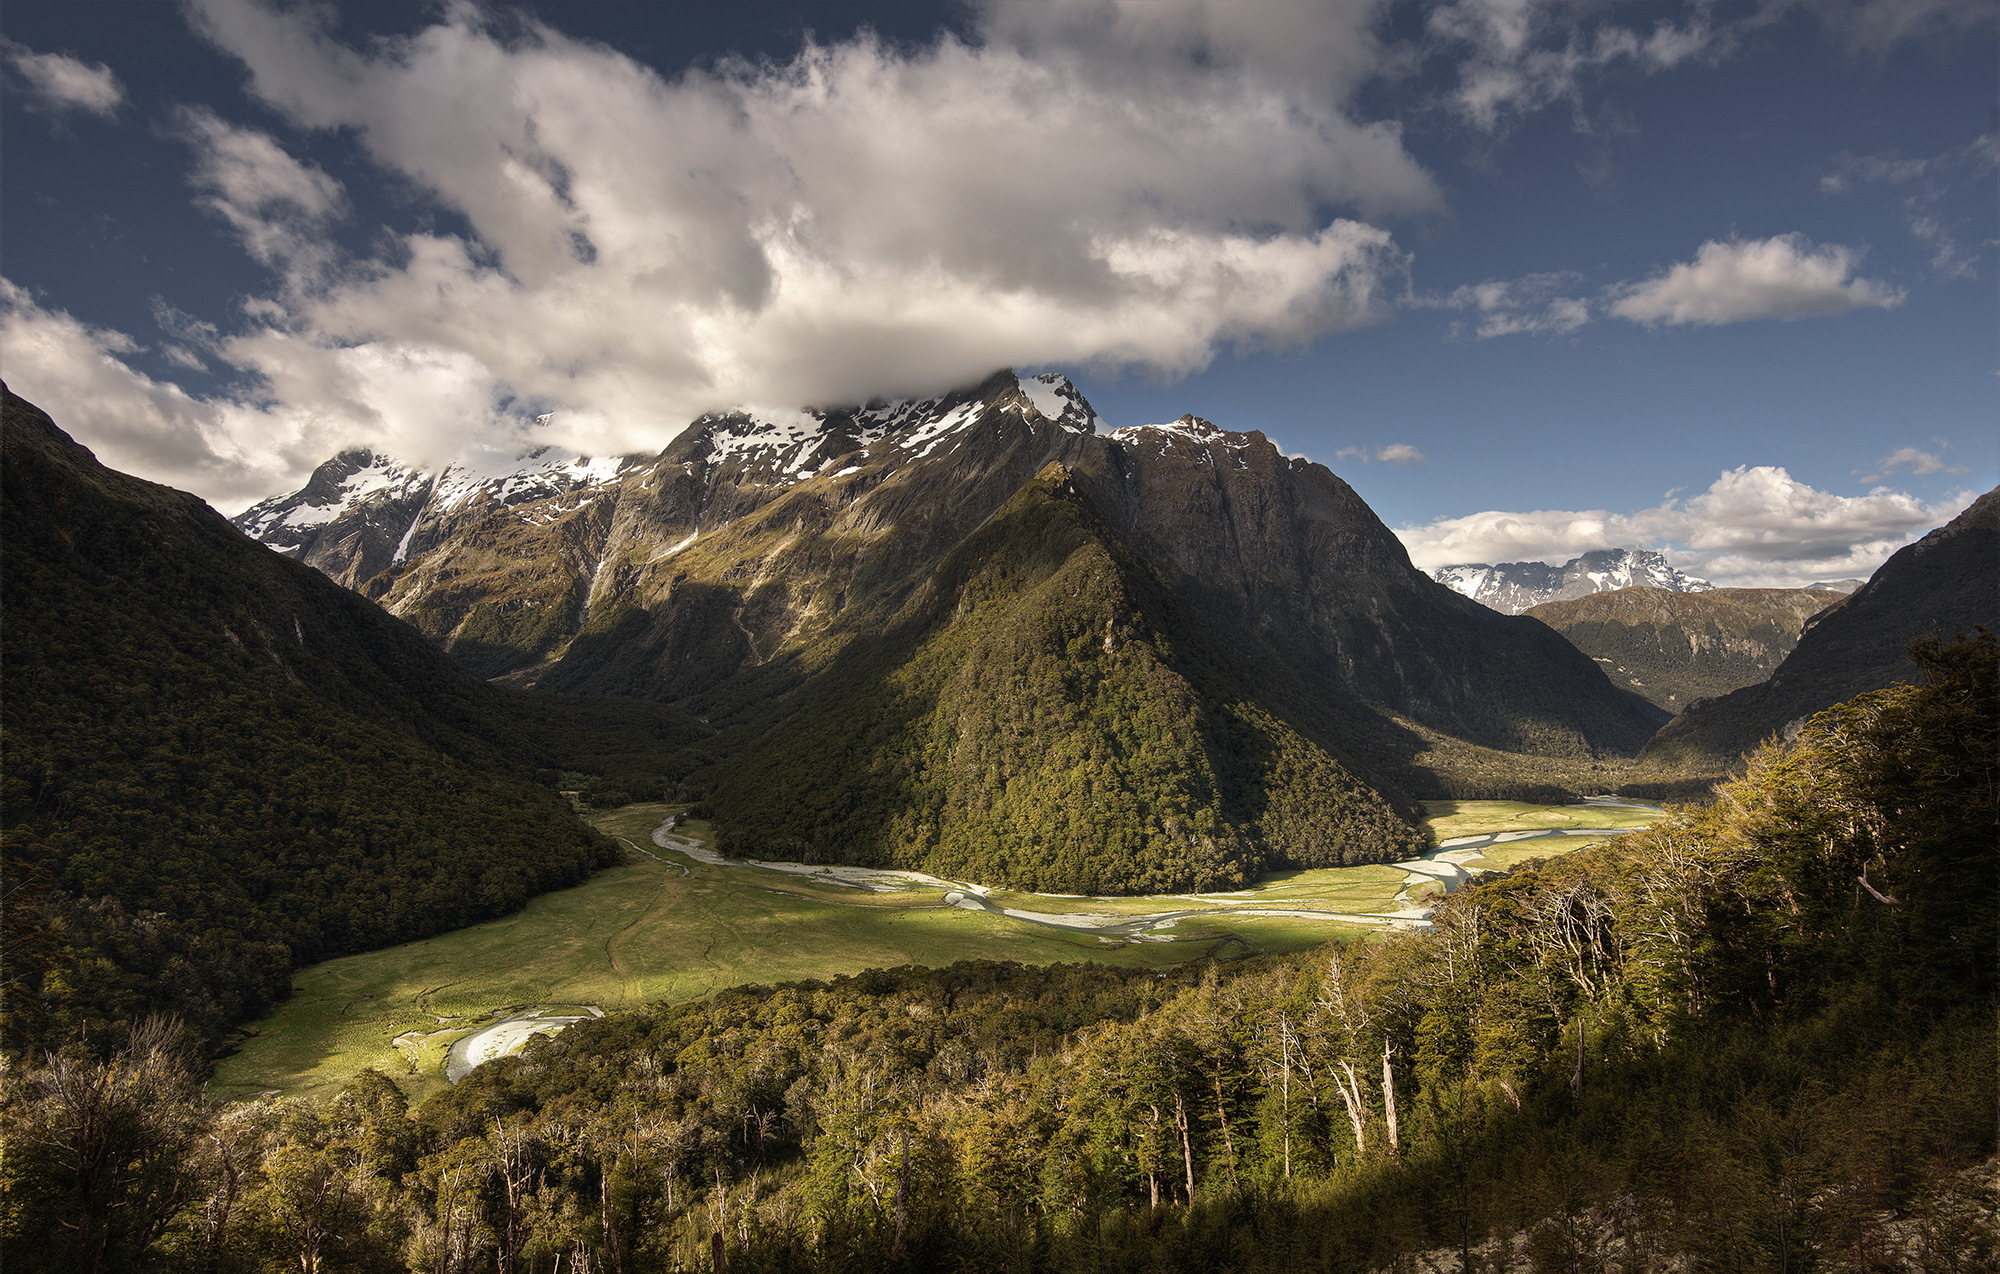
(1754, 1038)
(220, 766)
(1043, 716)
(1943, 585)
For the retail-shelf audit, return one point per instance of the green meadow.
(1448, 820)
(664, 927)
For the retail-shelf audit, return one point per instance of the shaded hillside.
(1945, 584)
(220, 766)
(1673, 647)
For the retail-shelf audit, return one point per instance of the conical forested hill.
(1042, 713)
(219, 765)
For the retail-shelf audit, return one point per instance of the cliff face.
(1942, 585)
(1674, 648)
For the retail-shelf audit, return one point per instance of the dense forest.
(221, 766)
(1757, 1037)
(1043, 716)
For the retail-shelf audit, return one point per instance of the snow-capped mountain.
(362, 513)
(1512, 587)
(762, 537)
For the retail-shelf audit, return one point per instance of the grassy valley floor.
(664, 926)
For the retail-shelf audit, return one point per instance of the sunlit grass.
(666, 927)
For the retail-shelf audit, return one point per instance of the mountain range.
(1674, 648)
(1512, 587)
(982, 635)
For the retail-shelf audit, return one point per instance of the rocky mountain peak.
(1513, 587)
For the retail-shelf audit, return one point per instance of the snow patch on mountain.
(1512, 587)
(1060, 402)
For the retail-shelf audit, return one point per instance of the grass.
(669, 928)
(1448, 820)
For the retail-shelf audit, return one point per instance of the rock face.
(1512, 587)
(1942, 585)
(923, 624)
(1674, 648)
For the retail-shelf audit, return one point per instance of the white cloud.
(1400, 454)
(228, 452)
(278, 206)
(1783, 277)
(57, 83)
(1522, 55)
(1755, 526)
(1092, 183)
(1532, 305)
(1917, 461)
(1321, 48)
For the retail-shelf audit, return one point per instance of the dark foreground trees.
(1755, 1038)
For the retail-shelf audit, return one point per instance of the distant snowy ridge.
(1512, 587)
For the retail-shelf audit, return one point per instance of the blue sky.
(1536, 276)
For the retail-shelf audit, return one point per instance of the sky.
(1535, 276)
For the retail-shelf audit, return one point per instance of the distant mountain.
(1944, 584)
(1512, 587)
(220, 766)
(980, 634)
(1674, 648)
(1839, 585)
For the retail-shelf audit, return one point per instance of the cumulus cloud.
(57, 84)
(1320, 48)
(1755, 526)
(1400, 454)
(1100, 183)
(1783, 277)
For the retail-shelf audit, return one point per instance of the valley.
(676, 921)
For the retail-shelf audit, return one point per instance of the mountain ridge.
(1674, 648)
(1513, 587)
(1943, 585)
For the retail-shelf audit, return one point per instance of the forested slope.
(1756, 1037)
(1946, 584)
(1042, 715)
(219, 765)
